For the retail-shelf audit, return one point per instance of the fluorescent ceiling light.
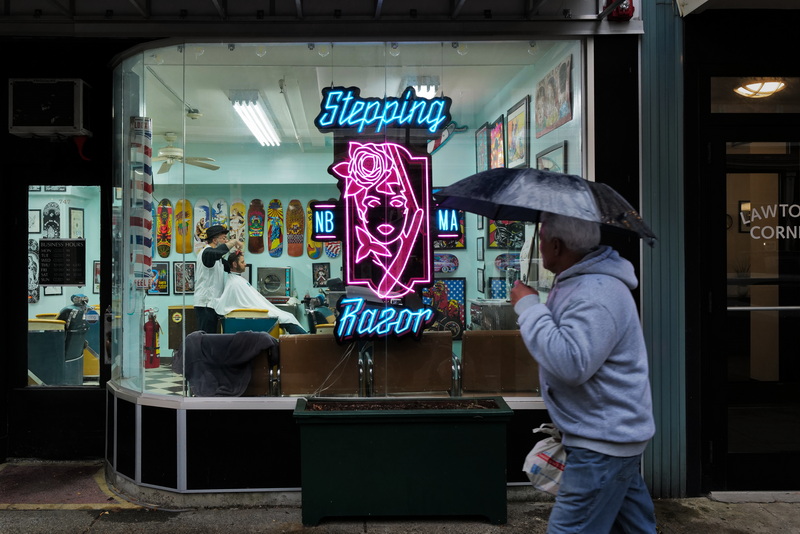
(425, 86)
(760, 87)
(250, 110)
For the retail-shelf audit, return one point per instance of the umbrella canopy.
(522, 194)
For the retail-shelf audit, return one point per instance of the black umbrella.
(522, 194)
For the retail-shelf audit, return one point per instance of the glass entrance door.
(760, 331)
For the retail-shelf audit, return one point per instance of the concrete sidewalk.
(74, 498)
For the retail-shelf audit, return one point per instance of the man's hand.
(521, 290)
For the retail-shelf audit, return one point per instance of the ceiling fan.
(171, 154)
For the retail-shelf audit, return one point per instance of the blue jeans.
(602, 494)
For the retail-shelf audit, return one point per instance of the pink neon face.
(386, 217)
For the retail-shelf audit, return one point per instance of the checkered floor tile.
(163, 381)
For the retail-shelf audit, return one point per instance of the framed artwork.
(497, 144)
(553, 158)
(481, 281)
(479, 248)
(184, 277)
(321, 272)
(482, 148)
(96, 277)
(56, 188)
(506, 234)
(497, 287)
(34, 188)
(553, 101)
(76, 223)
(744, 216)
(34, 221)
(481, 221)
(518, 134)
(159, 281)
(53, 290)
(448, 295)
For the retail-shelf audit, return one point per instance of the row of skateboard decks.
(263, 228)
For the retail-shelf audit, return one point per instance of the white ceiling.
(203, 75)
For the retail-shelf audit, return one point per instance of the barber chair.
(74, 339)
(45, 352)
(240, 320)
(228, 365)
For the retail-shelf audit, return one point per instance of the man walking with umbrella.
(588, 342)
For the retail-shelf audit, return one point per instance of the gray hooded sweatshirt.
(588, 342)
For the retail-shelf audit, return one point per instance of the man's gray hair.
(577, 235)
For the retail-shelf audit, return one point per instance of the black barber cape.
(219, 365)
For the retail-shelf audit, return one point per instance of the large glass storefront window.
(191, 157)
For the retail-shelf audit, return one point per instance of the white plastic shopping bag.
(545, 464)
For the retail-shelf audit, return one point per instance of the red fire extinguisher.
(152, 352)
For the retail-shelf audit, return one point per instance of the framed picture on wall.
(448, 295)
(96, 276)
(159, 283)
(184, 277)
(479, 248)
(321, 272)
(497, 287)
(481, 280)
(481, 222)
(553, 100)
(506, 234)
(482, 148)
(518, 134)
(553, 158)
(497, 144)
(53, 290)
(34, 221)
(76, 223)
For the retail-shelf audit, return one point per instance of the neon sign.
(386, 192)
(384, 212)
(343, 107)
(358, 321)
(324, 221)
(448, 224)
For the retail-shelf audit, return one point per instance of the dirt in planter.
(411, 404)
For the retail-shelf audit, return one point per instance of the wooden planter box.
(403, 457)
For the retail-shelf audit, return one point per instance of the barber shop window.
(234, 157)
(64, 319)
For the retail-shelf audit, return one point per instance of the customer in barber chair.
(239, 294)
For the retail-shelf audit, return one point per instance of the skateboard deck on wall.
(445, 263)
(295, 224)
(51, 220)
(333, 249)
(255, 226)
(275, 227)
(202, 220)
(163, 223)
(506, 261)
(313, 248)
(237, 227)
(219, 213)
(183, 226)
